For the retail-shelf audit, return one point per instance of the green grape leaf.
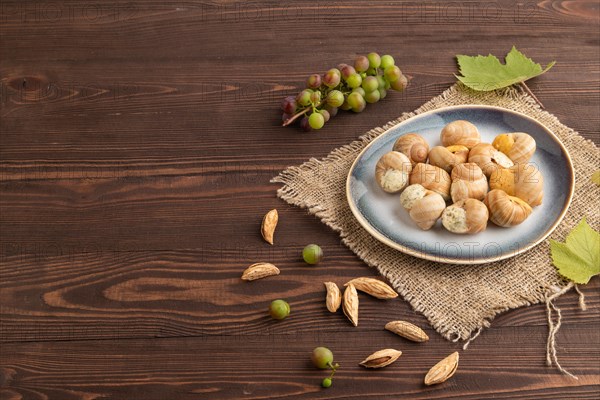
(596, 177)
(487, 73)
(578, 259)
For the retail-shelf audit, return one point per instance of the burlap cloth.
(456, 299)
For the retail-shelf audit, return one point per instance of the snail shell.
(432, 178)
(413, 146)
(468, 181)
(411, 194)
(392, 171)
(460, 132)
(465, 216)
(488, 158)
(524, 181)
(448, 157)
(506, 210)
(427, 210)
(518, 146)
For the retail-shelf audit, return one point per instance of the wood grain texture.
(276, 366)
(137, 141)
(103, 293)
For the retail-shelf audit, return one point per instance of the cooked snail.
(465, 216)
(432, 178)
(411, 194)
(460, 132)
(518, 146)
(424, 206)
(524, 181)
(413, 146)
(488, 158)
(468, 181)
(485, 182)
(392, 171)
(448, 157)
(506, 210)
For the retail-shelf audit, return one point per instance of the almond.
(269, 223)
(407, 330)
(333, 300)
(259, 270)
(381, 358)
(443, 370)
(373, 287)
(350, 304)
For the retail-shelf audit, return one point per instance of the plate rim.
(442, 259)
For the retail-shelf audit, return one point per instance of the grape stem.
(333, 369)
(301, 113)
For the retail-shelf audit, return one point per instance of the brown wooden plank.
(137, 140)
(278, 366)
(100, 292)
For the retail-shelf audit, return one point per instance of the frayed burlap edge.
(317, 186)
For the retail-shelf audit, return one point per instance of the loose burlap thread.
(458, 300)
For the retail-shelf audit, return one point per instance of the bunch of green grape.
(346, 87)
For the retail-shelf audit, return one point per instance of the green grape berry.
(304, 124)
(331, 110)
(346, 71)
(316, 120)
(332, 78)
(374, 60)
(387, 61)
(348, 87)
(370, 84)
(357, 102)
(392, 73)
(400, 84)
(304, 97)
(335, 98)
(354, 99)
(326, 382)
(279, 309)
(322, 357)
(354, 81)
(361, 64)
(315, 97)
(360, 91)
(345, 106)
(312, 253)
(373, 97)
(313, 81)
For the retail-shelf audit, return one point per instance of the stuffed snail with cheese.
(432, 178)
(463, 182)
(424, 206)
(465, 217)
(392, 171)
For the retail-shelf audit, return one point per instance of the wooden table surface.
(137, 144)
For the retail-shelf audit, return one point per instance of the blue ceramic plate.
(383, 217)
